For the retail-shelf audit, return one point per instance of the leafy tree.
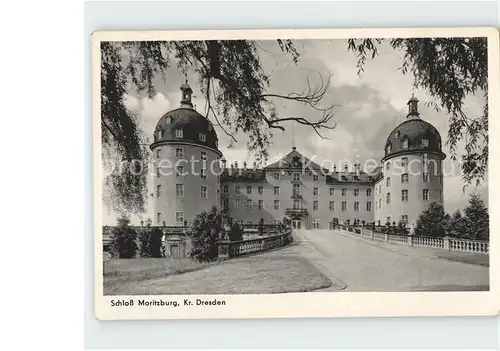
(450, 69)
(123, 240)
(433, 221)
(477, 219)
(236, 233)
(150, 244)
(205, 232)
(457, 226)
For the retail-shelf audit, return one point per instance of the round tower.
(186, 160)
(412, 170)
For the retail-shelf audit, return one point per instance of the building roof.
(243, 175)
(409, 134)
(189, 120)
(360, 177)
(295, 159)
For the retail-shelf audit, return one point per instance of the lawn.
(266, 273)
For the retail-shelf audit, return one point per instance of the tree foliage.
(450, 69)
(433, 221)
(477, 219)
(123, 240)
(457, 226)
(205, 233)
(149, 240)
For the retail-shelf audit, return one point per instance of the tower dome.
(185, 124)
(413, 134)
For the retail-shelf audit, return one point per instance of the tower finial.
(186, 77)
(186, 95)
(293, 138)
(413, 106)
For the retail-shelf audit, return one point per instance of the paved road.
(356, 264)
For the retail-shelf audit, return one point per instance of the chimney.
(224, 163)
(356, 168)
(254, 166)
(244, 165)
(236, 164)
(334, 169)
(345, 169)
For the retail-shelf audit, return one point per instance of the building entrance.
(296, 224)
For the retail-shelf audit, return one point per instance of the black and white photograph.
(283, 165)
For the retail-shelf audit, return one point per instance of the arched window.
(405, 143)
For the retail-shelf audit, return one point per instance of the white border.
(313, 304)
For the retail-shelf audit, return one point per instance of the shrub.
(205, 232)
(433, 221)
(477, 219)
(123, 240)
(150, 244)
(236, 233)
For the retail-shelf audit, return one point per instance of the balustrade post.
(410, 240)
(386, 237)
(224, 244)
(372, 234)
(446, 243)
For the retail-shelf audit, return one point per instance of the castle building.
(192, 176)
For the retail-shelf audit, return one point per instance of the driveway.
(356, 264)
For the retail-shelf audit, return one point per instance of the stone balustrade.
(228, 249)
(446, 243)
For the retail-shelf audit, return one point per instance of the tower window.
(387, 166)
(388, 181)
(202, 136)
(404, 178)
(158, 190)
(180, 171)
(203, 156)
(203, 173)
(405, 143)
(425, 177)
(158, 152)
(404, 195)
(179, 133)
(404, 161)
(179, 190)
(388, 198)
(203, 191)
(425, 194)
(179, 152)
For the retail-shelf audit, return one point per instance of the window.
(388, 148)
(380, 189)
(249, 189)
(179, 217)
(225, 189)
(296, 189)
(425, 142)
(236, 204)
(368, 206)
(404, 178)
(168, 120)
(404, 195)
(398, 134)
(179, 190)
(203, 156)
(388, 198)
(356, 192)
(157, 172)
(356, 206)
(315, 178)
(388, 181)
(226, 204)
(404, 219)
(261, 190)
(158, 190)
(425, 177)
(405, 144)
(368, 192)
(296, 177)
(315, 205)
(261, 204)
(332, 191)
(332, 206)
(203, 191)
(387, 166)
(158, 153)
(276, 204)
(237, 189)
(179, 152)
(425, 159)
(160, 134)
(315, 223)
(315, 191)
(179, 171)
(425, 194)
(404, 161)
(276, 190)
(202, 136)
(179, 133)
(158, 218)
(203, 173)
(344, 206)
(249, 204)
(276, 175)
(380, 203)
(344, 192)
(388, 219)
(296, 204)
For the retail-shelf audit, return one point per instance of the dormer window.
(425, 142)
(405, 143)
(388, 148)
(168, 120)
(202, 136)
(179, 133)
(159, 134)
(397, 134)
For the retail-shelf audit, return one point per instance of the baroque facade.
(192, 176)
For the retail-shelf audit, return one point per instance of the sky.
(368, 107)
